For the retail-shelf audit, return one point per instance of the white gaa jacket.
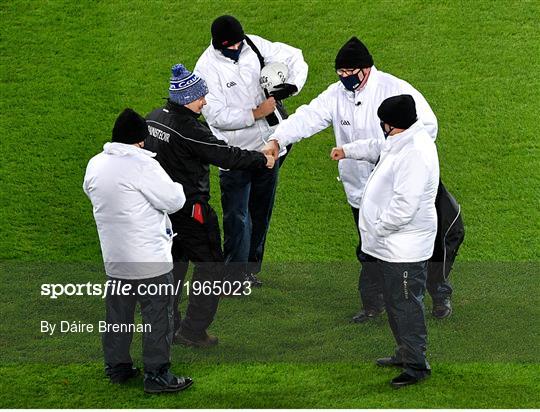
(131, 195)
(234, 90)
(398, 220)
(353, 117)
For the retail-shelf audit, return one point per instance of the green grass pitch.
(68, 68)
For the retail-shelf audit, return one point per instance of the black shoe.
(442, 308)
(405, 379)
(365, 315)
(165, 382)
(205, 341)
(389, 361)
(253, 280)
(122, 374)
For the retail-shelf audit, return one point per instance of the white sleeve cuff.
(251, 119)
(348, 150)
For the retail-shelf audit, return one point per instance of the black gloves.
(282, 91)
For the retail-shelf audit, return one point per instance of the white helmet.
(273, 74)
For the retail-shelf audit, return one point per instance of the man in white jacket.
(131, 196)
(236, 111)
(398, 223)
(350, 106)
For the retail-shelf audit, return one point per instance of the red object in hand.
(197, 213)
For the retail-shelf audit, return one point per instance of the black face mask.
(233, 54)
(386, 133)
(350, 82)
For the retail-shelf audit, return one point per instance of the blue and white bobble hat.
(186, 87)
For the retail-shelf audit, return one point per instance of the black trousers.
(199, 243)
(404, 289)
(370, 285)
(156, 311)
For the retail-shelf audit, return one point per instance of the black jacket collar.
(180, 109)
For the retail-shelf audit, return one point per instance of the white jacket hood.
(122, 149)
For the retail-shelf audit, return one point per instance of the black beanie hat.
(398, 111)
(129, 128)
(353, 55)
(226, 31)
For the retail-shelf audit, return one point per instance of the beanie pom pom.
(178, 70)
(185, 86)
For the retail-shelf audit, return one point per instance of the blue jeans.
(247, 199)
